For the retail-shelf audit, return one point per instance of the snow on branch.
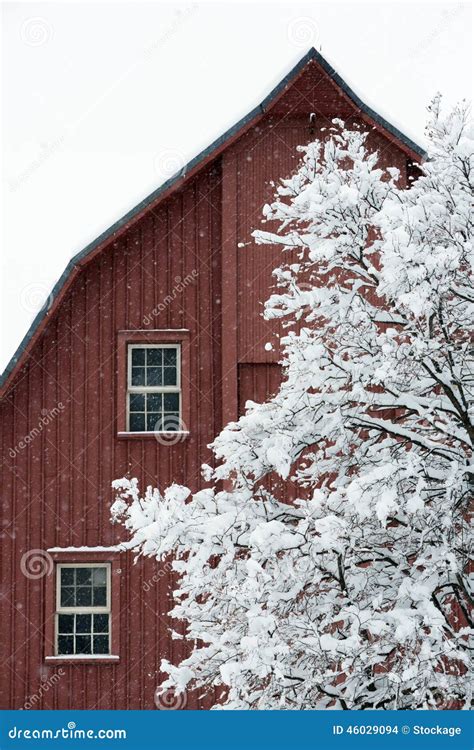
(333, 570)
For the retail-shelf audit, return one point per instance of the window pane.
(100, 576)
(83, 576)
(137, 402)
(171, 422)
(137, 422)
(169, 375)
(158, 427)
(83, 644)
(154, 376)
(67, 576)
(138, 376)
(138, 357)
(101, 644)
(83, 596)
(83, 623)
(154, 357)
(100, 597)
(65, 644)
(101, 623)
(67, 597)
(171, 402)
(154, 402)
(153, 422)
(65, 623)
(169, 357)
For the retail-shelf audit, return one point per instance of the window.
(154, 388)
(82, 602)
(83, 609)
(154, 385)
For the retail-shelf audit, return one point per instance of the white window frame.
(153, 388)
(105, 610)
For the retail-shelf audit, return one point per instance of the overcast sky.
(103, 101)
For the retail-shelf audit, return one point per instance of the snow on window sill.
(158, 436)
(89, 550)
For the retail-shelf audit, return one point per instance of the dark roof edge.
(364, 107)
(312, 54)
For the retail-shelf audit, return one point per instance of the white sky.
(103, 101)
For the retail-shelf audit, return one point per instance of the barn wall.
(263, 156)
(258, 381)
(56, 491)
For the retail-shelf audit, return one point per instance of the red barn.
(153, 340)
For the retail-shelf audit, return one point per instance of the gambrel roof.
(311, 58)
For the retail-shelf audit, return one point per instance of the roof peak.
(177, 181)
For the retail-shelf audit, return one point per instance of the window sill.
(106, 659)
(158, 436)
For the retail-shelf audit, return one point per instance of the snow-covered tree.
(355, 594)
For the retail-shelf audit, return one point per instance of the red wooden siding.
(258, 382)
(262, 156)
(56, 491)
